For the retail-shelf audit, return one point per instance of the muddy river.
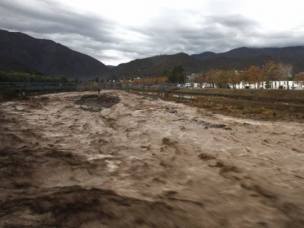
(142, 162)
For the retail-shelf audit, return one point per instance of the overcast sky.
(117, 31)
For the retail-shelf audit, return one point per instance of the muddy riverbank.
(272, 105)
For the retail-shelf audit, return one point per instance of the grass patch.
(250, 108)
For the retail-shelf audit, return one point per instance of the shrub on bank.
(8, 92)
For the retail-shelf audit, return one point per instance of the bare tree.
(270, 73)
(285, 72)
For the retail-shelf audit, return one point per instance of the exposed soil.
(262, 95)
(273, 105)
(259, 110)
(259, 104)
(143, 162)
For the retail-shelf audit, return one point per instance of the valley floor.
(145, 162)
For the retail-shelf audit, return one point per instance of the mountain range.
(24, 53)
(47, 57)
(154, 66)
(239, 58)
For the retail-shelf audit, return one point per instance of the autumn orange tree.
(244, 76)
(240, 75)
(212, 77)
(199, 79)
(223, 79)
(235, 77)
(150, 80)
(124, 81)
(138, 81)
(161, 80)
(299, 79)
(255, 74)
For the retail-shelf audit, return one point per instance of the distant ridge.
(47, 57)
(239, 58)
(154, 66)
(244, 57)
(204, 55)
(245, 52)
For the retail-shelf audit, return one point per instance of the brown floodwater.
(143, 162)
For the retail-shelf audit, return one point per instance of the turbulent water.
(145, 163)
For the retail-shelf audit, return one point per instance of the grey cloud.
(89, 34)
(232, 21)
(212, 33)
(54, 19)
(279, 39)
(171, 31)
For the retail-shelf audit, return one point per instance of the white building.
(245, 85)
(271, 85)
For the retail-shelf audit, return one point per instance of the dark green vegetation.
(27, 77)
(176, 75)
(47, 57)
(9, 66)
(7, 93)
(9, 90)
